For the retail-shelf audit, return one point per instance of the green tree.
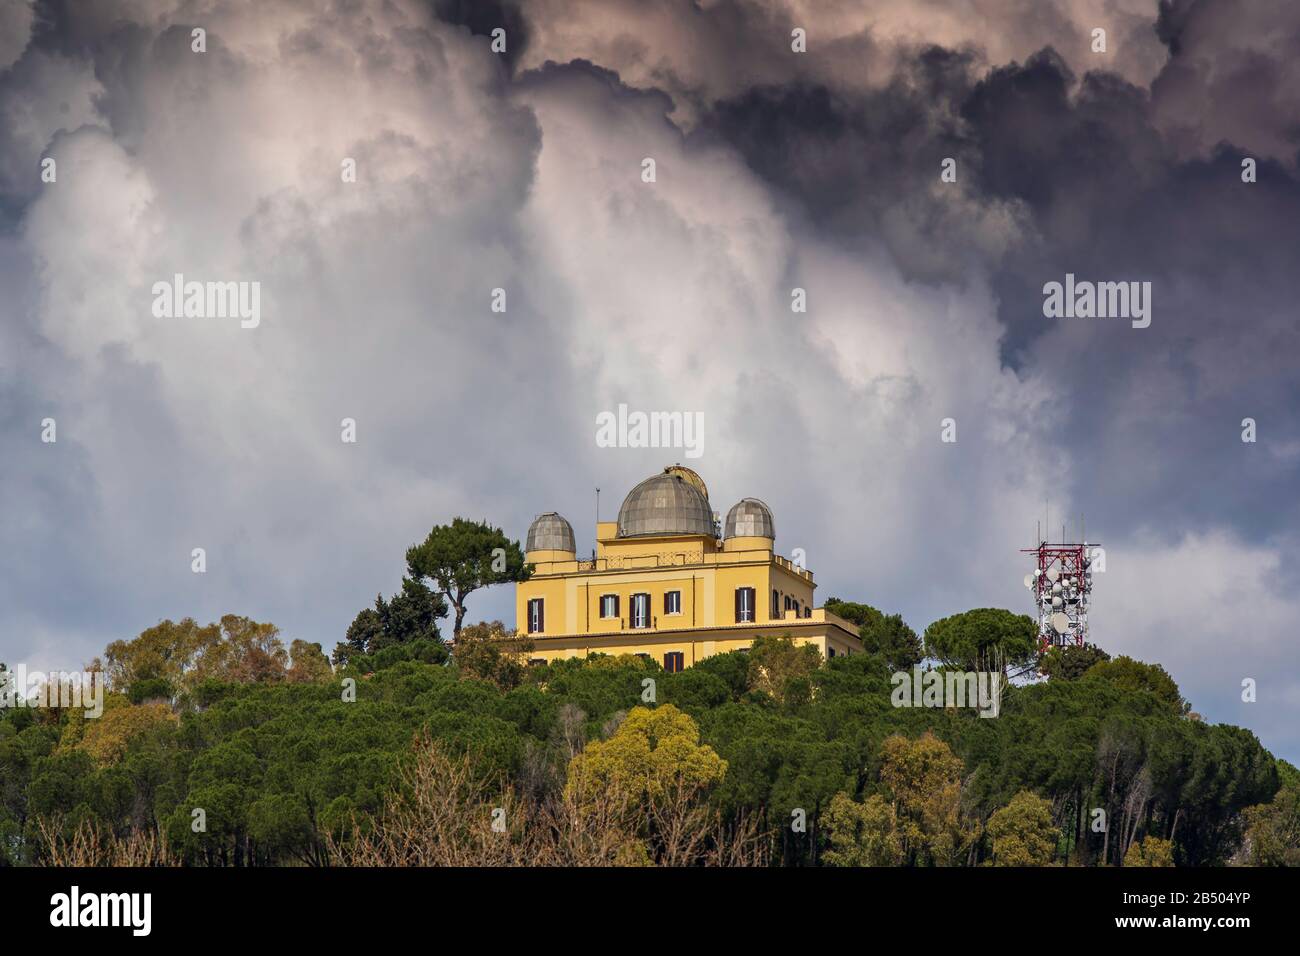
(1150, 851)
(183, 654)
(1133, 675)
(278, 763)
(651, 752)
(464, 556)
(924, 778)
(107, 739)
(308, 663)
(411, 615)
(887, 635)
(984, 639)
(249, 652)
(1022, 832)
(1071, 661)
(363, 633)
(854, 613)
(892, 639)
(783, 669)
(1273, 830)
(1288, 774)
(862, 834)
(490, 652)
(169, 650)
(281, 824)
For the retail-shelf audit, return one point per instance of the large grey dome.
(550, 532)
(665, 504)
(749, 518)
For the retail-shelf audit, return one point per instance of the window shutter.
(541, 616)
(616, 610)
(744, 605)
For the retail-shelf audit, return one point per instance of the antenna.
(597, 507)
(1061, 589)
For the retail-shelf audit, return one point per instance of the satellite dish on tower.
(1053, 574)
(1029, 580)
(1060, 622)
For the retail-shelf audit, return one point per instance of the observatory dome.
(749, 518)
(667, 503)
(550, 532)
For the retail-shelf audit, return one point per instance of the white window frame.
(612, 598)
(643, 599)
(677, 612)
(746, 613)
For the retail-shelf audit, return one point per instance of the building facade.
(670, 582)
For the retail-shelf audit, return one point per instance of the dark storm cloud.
(851, 158)
(1155, 413)
(481, 17)
(1233, 75)
(1158, 410)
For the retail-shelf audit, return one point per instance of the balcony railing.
(668, 559)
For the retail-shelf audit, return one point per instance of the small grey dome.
(665, 504)
(749, 518)
(550, 532)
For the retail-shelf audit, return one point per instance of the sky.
(522, 170)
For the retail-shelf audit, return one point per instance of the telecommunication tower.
(1061, 585)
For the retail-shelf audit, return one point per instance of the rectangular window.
(744, 605)
(536, 616)
(776, 603)
(674, 661)
(830, 651)
(672, 602)
(609, 605)
(640, 610)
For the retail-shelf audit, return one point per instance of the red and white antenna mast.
(1061, 585)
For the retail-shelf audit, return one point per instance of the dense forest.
(220, 746)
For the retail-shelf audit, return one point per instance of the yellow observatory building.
(667, 582)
